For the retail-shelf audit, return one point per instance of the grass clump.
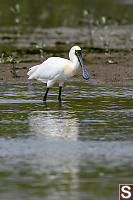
(41, 47)
(13, 62)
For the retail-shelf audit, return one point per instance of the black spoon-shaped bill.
(85, 74)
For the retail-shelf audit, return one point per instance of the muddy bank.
(113, 37)
(117, 69)
(107, 52)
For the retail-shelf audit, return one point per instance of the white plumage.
(56, 69)
(50, 71)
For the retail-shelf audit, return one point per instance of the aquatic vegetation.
(103, 20)
(13, 61)
(85, 12)
(95, 23)
(16, 11)
(90, 17)
(41, 46)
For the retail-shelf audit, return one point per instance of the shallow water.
(65, 13)
(81, 149)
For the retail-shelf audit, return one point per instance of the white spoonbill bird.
(56, 69)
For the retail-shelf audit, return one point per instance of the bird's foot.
(59, 99)
(45, 104)
(44, 99)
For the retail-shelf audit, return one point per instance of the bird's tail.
(32, 72)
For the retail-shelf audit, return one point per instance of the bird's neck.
(75, 63)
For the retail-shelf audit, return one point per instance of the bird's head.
(76, 51)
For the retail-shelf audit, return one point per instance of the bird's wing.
(51, 68)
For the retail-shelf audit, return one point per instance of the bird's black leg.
(59, 97)
(45, 96)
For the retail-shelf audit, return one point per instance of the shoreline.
(113, 66)
(103, 70)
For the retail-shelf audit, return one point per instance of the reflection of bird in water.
(51, 124)
(57, 155)
(56, 69)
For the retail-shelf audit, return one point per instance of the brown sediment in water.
(112, 67)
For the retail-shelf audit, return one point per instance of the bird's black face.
(85, 74)
(78, 52)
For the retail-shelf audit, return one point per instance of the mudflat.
(107, 52)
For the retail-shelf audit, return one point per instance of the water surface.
(56, 13)
(81, 149)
